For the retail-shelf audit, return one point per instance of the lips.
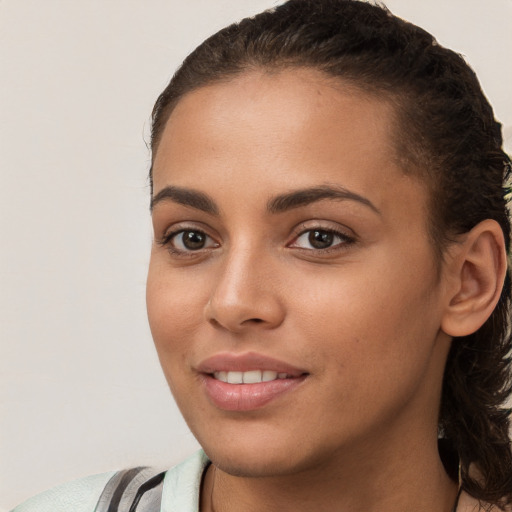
(247, 381)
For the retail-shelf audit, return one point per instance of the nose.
(245, 294)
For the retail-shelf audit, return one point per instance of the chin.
(260, 465)
(259, 458)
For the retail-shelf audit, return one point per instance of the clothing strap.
(132, 490)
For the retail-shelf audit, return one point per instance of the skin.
(363, 317)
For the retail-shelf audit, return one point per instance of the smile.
(249, 377)
(248, 381)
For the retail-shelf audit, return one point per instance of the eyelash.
(167, 240)
(343, 242)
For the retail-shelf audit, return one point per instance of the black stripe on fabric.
(145, 487)
(128, 476)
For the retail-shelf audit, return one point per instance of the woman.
(328, 289)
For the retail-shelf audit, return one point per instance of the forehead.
(294, 126)
(269, 105)
(291, 96)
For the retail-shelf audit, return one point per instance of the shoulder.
(79, 496)
(176, 489)
(182, 484)
(148, 489)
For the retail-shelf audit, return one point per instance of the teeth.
(235, 377)
(250, 377)
(268, 375)
(223, 376)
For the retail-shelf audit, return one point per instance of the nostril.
(249, 320)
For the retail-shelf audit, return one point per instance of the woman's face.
(292, 259)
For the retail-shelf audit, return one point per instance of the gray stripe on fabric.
(113, 492)
(121, 491)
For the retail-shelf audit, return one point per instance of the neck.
(411, 478)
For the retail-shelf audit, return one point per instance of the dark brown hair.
(446, 134)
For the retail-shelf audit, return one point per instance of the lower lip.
(247, 397)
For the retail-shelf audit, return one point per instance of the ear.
(477, 267)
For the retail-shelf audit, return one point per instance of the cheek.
(379, 318)
(175, 309)
(371, 359)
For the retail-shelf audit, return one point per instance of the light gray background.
(80, 386)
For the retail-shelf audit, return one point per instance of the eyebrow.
(303, 197)
(279, 204)
(186, 197)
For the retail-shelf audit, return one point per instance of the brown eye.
(188, 240)
(319, 239)
(193, 240)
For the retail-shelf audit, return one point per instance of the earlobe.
(478, 270)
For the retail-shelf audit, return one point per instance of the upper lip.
(230, 362)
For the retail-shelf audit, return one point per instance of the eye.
(321, 239)
(188, 240)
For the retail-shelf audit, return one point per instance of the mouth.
(250, 377)
(234, 382)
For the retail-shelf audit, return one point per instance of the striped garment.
(133, 490)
